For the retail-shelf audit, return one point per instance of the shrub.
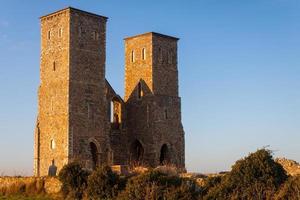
(257, 176)
(103, 184)
(290, 190)
(210, 183)
(74, 180)
(186, 191)
(155, 185)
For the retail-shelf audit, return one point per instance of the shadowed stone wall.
(152, 102)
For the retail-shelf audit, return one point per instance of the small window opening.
(166, 114)
(49, 35)
(115, 114)
(144, 54)
(132, 56)
(160, 54)
(60, 32)
(80, 31)
(54, 66)
(52, 144)
(95, 35)
(140, 91)
(89, 110)
(170, 58)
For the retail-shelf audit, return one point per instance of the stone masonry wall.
(88, 114)
(80, 116)
(153, 107)
(52, 122)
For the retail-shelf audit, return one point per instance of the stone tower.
(81, 117)
(153, 106)
(71, 122)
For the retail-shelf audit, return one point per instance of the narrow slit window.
(54, 66)
(170, 57)
(80, 31)
(166, 114)
(132, 56)
(52, 144)
(144, 54)
(160, 54)
(60, 32)
(140, 91)
(49, 35)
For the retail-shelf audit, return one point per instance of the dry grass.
(34, 187)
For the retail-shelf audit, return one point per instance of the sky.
(239, 73)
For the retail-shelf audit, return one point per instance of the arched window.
(52, 144)
(132, 56)
(60, 32)
(94, 154)
(137, 151)
(144, 54)
(164, 155)
(115, 113)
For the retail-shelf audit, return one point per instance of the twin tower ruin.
(81, 117)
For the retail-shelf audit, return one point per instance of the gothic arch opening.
(164, 155)
(94, 154)
(137, 151)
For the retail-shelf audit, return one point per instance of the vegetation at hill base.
(255, 177)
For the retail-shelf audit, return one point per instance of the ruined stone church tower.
(80, 116)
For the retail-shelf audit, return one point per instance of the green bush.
(103, 184)
(209, 183)
(257, 176)
(290, 190)
(74, 180)
(187, 190)
(154, 185)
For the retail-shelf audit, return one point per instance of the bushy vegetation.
(154, 185)
(103, 184)
(74, 180)
(255, 177)
(290, 189)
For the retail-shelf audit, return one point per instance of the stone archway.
(164, 157)
(94, 154)
(137, 151)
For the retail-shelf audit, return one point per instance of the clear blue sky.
(239, 64)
